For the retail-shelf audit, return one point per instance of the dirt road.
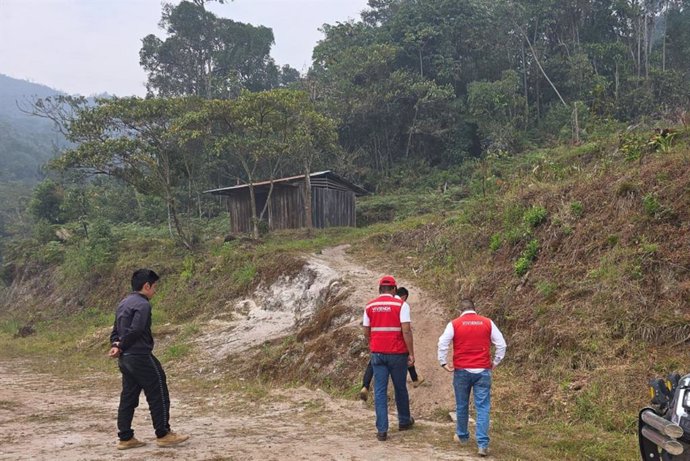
(46, 417)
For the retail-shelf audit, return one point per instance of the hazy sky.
(92, 46)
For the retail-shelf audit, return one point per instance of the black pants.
(143, 372)
(369, 374)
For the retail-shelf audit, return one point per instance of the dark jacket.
(132, 326)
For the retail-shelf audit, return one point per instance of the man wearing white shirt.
(472, 336)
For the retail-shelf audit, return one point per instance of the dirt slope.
(428, 322)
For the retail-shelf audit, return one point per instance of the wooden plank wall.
(332, 205)
(287, 208)
(240, 213)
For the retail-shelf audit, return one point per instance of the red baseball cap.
(387, 280)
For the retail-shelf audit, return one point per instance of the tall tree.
(208, 56)
(133, 139)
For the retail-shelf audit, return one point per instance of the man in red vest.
(387, 327)
(472, 336)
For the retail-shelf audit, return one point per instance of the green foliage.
(662, 141)
(188, 266)
(375, 208)
(92, 256)
(497, 107)
(243, 276)
(524, 262)
(495, 242)
(46, 202)
(535, 216)
(576, 209)
(93, 316)
(52, 253)
(43, 231)
(546, 288)
(208, 56)
(634, 145)
(175, 351)
(651, 205)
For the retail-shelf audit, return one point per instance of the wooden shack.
(332, 202)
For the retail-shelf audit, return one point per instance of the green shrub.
(188, 267)
(634, 145)
(651, 205)
(52, 253)
(94, 255)
(535, 216)
(576, 208)
(546, 288)
(524, 262)
(43, 231)
(495, 242)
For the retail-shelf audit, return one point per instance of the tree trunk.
(646, 48)
(421, 64)
(536, 59)
(255, 220)
(639, 49)
(576, 125)
(170, 227)
(178, 227)
(663, 39)
(307, 198)
(525, 83)
(616, 80)
(411, 130)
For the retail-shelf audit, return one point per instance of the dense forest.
(413, 86)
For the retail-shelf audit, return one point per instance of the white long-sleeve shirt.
(446, 339)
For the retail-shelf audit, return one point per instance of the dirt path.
(43, 417)
(46, 418)
(428, 322)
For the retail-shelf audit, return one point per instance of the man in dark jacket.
(132, 343)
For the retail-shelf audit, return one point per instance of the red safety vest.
(472, 342)
(386, 331)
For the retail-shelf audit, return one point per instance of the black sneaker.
(382, 436)
(404, 427)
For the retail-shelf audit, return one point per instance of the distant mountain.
(26, 142)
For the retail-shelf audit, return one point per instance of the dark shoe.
(420, 380)
(364, 394)
(131, 443)
(482, 451)
(381, 436)
(404, 427)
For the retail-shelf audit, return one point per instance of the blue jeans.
(480, 385)
(395, 366)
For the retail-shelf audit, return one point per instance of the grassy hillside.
(580, 255)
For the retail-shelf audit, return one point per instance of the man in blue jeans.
(386, 325)
(472, 336)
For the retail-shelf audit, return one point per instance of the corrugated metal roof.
(327, 173)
